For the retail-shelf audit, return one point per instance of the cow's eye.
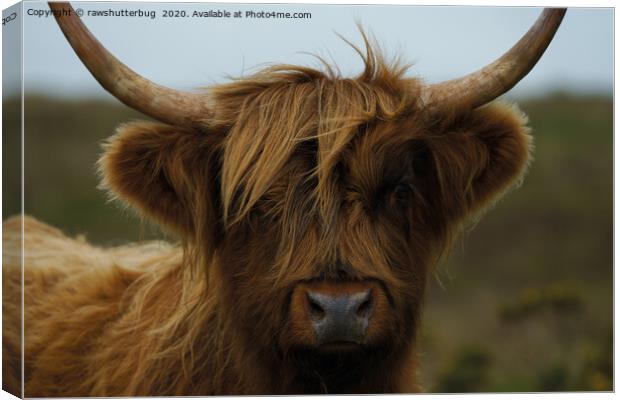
(401, 191)
(261, 212)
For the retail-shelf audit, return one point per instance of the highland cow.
(311, 208)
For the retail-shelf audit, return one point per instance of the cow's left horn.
(490, 82)
(164, 104)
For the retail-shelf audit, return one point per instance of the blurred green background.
(524, 302)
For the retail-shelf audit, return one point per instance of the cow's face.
(324, 202)
(334, 260)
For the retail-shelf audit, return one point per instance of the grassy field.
(523, 303)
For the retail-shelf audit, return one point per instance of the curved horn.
(490, 82)
(166, 105)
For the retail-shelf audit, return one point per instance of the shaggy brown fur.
(299, 178)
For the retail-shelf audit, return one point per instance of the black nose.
(340, 317)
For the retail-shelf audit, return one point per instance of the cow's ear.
(478, 157)
(167, 173)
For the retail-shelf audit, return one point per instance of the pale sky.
(442, 42)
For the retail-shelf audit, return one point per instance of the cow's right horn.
(488, 83)
(164, 104)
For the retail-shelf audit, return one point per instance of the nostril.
(364, 309)
(316, 311)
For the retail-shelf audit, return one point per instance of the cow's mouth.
(340, 346)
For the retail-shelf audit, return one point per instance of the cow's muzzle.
(340, 318)
(337, 315)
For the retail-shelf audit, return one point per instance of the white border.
(548, 3)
